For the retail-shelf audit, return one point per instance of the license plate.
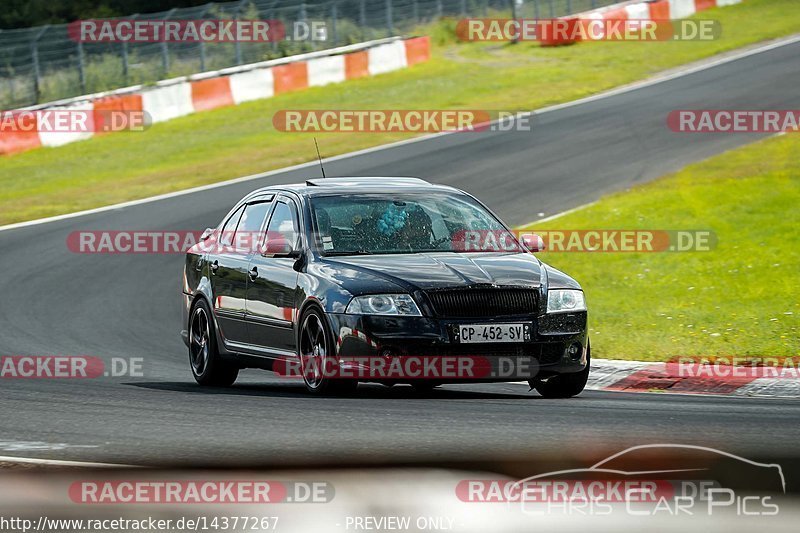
(472, 333)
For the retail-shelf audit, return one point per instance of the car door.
(228, 267)
(272, 293)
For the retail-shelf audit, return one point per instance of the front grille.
(483, 302)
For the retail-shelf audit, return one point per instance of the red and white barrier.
(58, 138)
(252, 85)
(387, 57)
(12, 142)
(183, 96)
(659, 10)
(325, 70)
(635, 10)
(356, 65)
(418, 50)
(640, 11)
(168, 102)
(211, 93)
(679, 9)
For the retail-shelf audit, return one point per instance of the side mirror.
(279, 247)
(208, 232)
(532, 242)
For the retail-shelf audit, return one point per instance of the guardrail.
(44, 64)
(176, 97)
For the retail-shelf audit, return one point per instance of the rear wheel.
(207, 365)
(564, 385)
(316, 353)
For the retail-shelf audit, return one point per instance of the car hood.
(446, 269)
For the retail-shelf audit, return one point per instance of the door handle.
(253, 274)
(214, 266)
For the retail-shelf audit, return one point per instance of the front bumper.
(403, 349)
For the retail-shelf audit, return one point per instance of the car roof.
(352, 185)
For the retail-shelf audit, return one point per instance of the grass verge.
(226, 143)
(740, 298)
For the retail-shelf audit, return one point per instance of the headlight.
(383, 304)
(565, 301)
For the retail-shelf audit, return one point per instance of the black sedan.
(389, 280)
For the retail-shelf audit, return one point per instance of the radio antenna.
(319, 157)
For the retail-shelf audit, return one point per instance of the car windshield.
(406, 223)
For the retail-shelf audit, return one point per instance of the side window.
(250, 225)
(229, 228)
(283, 223)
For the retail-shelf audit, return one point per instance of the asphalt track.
(57, 302)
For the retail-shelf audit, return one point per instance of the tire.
(206, 363)
(314, 348)
(564, 385)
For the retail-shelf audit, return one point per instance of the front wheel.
(207, 365)
(317, 357)
(564, 385)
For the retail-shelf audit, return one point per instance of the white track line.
(607, 94)
(558, 215)
(55, 462)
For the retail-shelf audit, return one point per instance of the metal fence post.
(594, 4)
(513, 15)
(552, 10)
(237, 46)
(81, 68)
(125, 63)
(12, 97)
(569, 7)
(274, 16)
(335, 16)
(415, 11)
(165, 47)
(536, 12)
(463, 8)
(389, 21)
(37, 73)
(207, 7)
(439, 8)
(304, 18)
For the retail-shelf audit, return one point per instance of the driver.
(417, 233)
